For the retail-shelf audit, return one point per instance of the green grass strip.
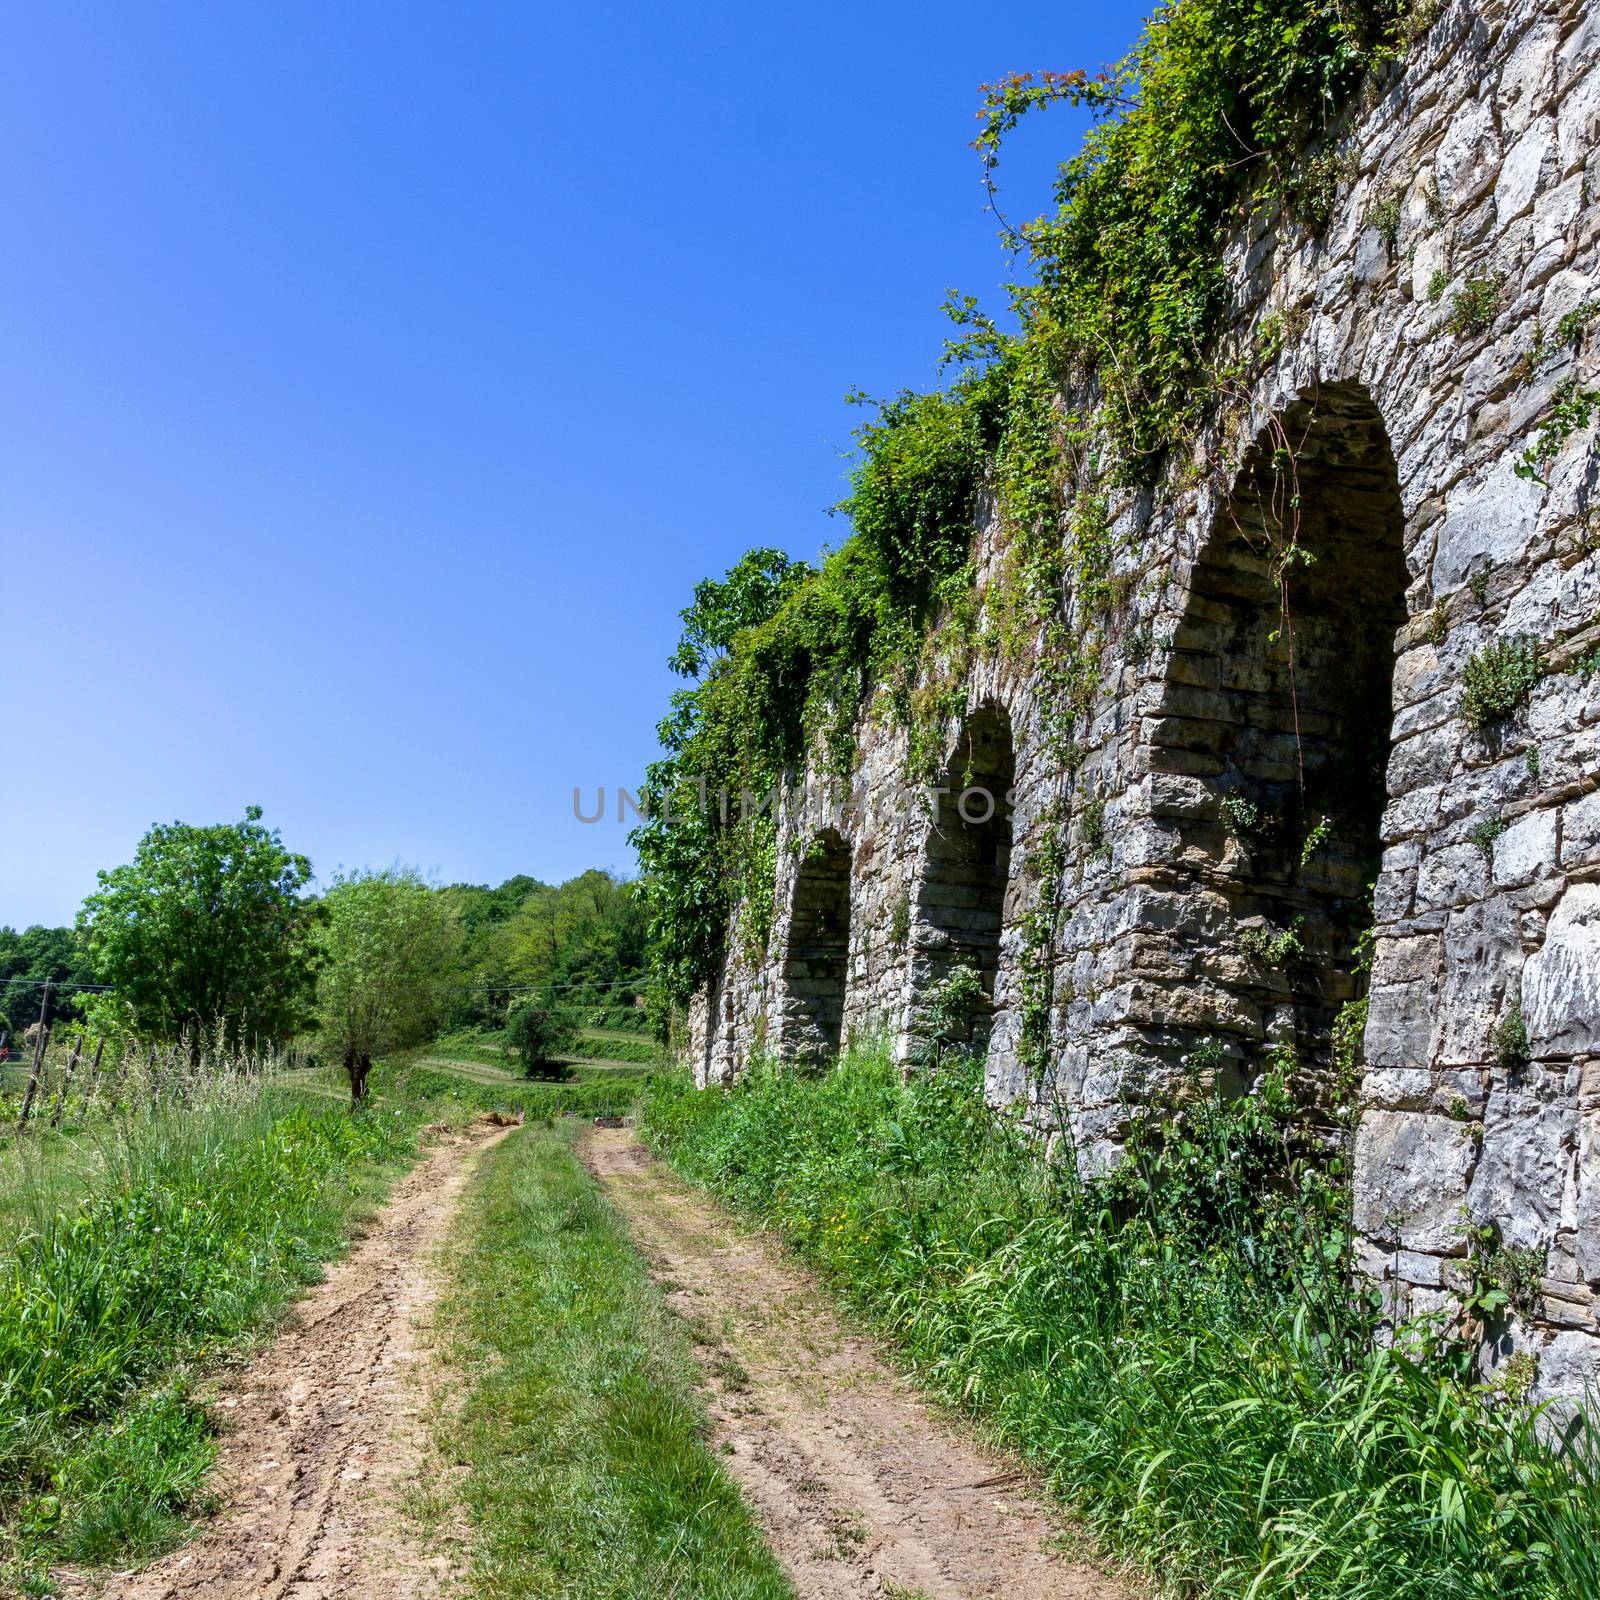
(586, 1467)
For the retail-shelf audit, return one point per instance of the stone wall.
(1207, 759)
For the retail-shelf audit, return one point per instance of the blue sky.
(377, 380)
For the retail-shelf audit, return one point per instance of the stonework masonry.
(1407, 422)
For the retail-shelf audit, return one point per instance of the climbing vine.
(1207, 120)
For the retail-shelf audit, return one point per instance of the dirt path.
(860, 1489)
(324, 1436)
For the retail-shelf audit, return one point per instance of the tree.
(388, 946)
(30, 958)
(207, 928)
(746, 596)
(539, 1032)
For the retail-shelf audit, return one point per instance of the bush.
(1173, 1346)
(538, 1033)
(1498, 680)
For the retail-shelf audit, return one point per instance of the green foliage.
(1273, 947)
(1497, 681)
(1438, 282)
(539, 1031)
(586, 935)
(185, 1229)
(1385, 216)
(206, 927)
(1570, 327)
(1511, 1040)
(1203, 124)
(1174, 1345)
(953, 1007)
(387, 946)
(587, 1474)
(1241, 816)
(27, 960)
(1571, 410)
(1484, 833)
(1474, 307)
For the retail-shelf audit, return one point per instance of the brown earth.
(860, 1489)
(324, 1430)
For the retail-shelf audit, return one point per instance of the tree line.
(217, 937)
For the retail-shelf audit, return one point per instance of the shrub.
(1473, 310)
(1498, 680)
(539, 1032)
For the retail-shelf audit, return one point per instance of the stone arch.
(958, 910)
(1276, 724)
(816, 952)
(1270, 750)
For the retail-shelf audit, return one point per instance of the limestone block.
(1580, 831)
(1526, 850)
(1561, 983)
(1412, 1173)
(1522, 1168)
(1451, 877)
(1468, 155)
(1490, 517)
(1566, 1363)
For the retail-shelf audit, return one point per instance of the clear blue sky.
(378, 379)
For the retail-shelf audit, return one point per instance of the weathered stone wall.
(1405, 431)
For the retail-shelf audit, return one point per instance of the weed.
(1571, 409)
(1438, 622)
(1474, 308)
(1385, 217)
(1273, 948)
(1241, 816)
(1485, 833)
(1478, 583)
(1438, 282)
(1570, 327)
(1498, 680)
(1511, 1040)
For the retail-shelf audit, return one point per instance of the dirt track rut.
(860, 1490)
(323, 1433)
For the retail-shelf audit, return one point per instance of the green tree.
(538, 1032)
(388, 946)
(206, 929)
(32, 957)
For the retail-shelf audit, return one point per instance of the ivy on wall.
(1207, 120)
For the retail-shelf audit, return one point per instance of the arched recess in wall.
(1280, 698)
(816, 952)
(959, 907)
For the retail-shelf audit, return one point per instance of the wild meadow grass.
(585, 1473)
(1176, 1346)
(139, 1249)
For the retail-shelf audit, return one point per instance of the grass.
(1175, 1346)
(586, 1469)
(147, 1247)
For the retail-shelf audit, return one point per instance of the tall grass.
(144, 1245)
(1173, 1345)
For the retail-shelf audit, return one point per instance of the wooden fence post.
(66, 1082)
(94, 1072)
(38, 1057)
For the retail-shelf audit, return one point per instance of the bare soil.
(325, 1436)
(861, 1489)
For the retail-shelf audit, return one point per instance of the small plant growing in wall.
(1474, 308)
(1571, 409)
(953, 1007)
(1511, 1050)
(1438, 282)
(1273, 947)
(1497, 681)
(1438, 622)
(1092, 827)
(1503, 1279)
(1385, 217)
(1241, 816)
(1485, 833)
